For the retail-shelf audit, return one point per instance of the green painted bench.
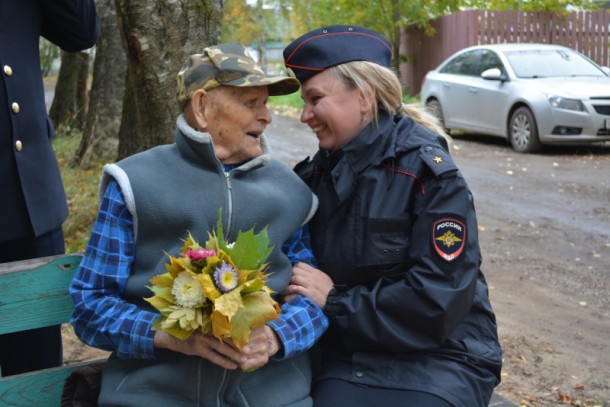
(34, 295)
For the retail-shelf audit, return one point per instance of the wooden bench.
(34, 295)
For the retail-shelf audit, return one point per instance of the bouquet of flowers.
(219, 288)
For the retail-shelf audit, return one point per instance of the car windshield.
(550, 63)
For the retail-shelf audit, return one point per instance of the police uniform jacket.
(33, 199)
(397, 232)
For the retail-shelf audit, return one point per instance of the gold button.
(8, 71)
(18, 145)
(15, 107)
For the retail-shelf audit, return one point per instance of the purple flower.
(200, 254)
(226, 277)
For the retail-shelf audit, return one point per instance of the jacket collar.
(198, 147)
(371, 145)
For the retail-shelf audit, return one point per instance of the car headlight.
(564, 103)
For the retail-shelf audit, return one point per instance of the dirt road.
(544, 223)
(545, 235)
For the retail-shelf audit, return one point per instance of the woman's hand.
(207, 347)
(309, 282)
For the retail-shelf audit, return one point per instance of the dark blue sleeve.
(70, 24)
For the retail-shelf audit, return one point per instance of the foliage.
(249, 23)
(380, 15)
(294, 17)
(538, 5)
(49, 52)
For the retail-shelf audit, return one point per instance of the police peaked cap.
(333, 45)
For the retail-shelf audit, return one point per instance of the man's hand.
(262, 345)
(207, 347)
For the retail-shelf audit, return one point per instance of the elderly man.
(219, 161)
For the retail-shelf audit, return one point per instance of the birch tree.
(157, 37)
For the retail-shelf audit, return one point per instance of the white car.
(531, 94)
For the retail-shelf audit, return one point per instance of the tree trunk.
(70, 91)
(262, 52)
(158, 37)
(81, 98)
(262, 48)
(100, 134)
(396, 36)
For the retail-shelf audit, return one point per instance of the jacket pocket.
(384, 246)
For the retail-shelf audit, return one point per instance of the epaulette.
(437, 159)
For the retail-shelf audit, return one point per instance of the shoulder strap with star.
(438, 160)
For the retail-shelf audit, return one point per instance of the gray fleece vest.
(176, 188)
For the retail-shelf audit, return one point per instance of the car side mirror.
(493, 74)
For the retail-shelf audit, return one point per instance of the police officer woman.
(395, 235)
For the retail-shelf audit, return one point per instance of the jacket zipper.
(220, 387)
(230, 204)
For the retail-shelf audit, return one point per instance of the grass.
(293, 101)
(81, 191)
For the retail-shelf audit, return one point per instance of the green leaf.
(219, 230)
(251, 250)
(254, 285)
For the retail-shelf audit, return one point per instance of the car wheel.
(523, 132)
(434, 108)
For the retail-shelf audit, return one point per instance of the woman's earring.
(363, 118)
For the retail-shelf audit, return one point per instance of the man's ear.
(194, 111)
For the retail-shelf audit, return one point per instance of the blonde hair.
(382, 84)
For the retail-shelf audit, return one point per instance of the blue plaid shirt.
(103, 319)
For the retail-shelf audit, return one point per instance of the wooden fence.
(584, 31)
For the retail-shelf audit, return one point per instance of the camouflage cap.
(228, 64)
